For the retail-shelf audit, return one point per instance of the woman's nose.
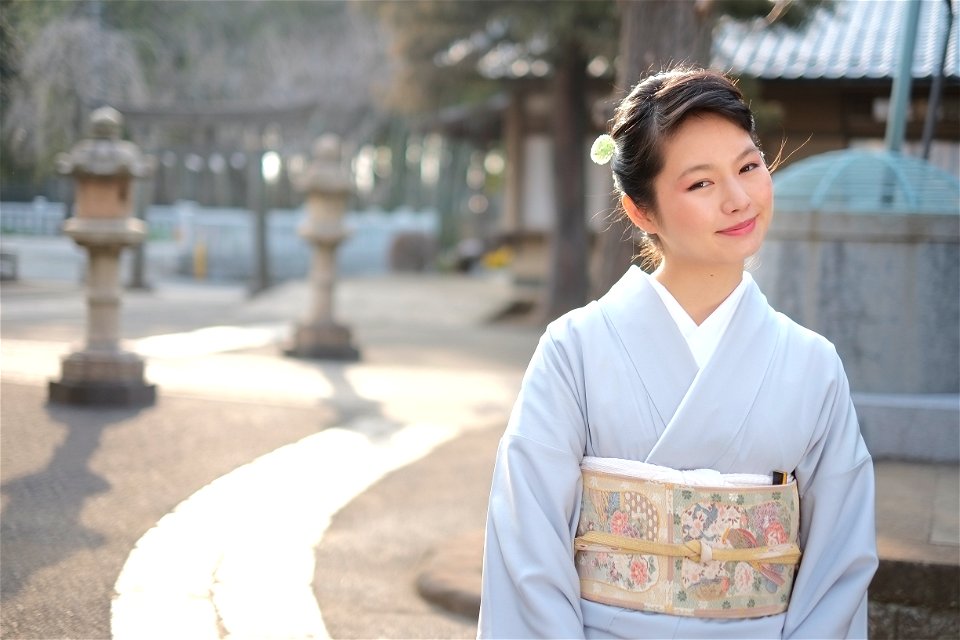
(736, 198)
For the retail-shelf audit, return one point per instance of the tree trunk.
(567, 281)
(653, 34)
(658, 33)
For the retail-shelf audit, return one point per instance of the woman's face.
(714, 196)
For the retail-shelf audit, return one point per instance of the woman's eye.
(698, 185)
(750, 166)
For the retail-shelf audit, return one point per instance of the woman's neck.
(699, 290)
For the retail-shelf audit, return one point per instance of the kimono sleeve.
(837, 529)
(530, 585)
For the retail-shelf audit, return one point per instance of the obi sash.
(687, 550)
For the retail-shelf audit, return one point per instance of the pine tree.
(447, 55)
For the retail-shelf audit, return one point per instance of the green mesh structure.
(862, 181)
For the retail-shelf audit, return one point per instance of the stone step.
(913, 427)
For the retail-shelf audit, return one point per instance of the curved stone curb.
(236, 558)
(451, 578)
(913, 599)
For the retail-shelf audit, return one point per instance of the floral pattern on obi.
(629, 514)
(659, 512)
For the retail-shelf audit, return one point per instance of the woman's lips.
(740, 229)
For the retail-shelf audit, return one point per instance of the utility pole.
(902, 81)
(260, 277)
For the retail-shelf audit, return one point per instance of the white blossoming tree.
(72, 66)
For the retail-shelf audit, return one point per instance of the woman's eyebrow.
(701, 167)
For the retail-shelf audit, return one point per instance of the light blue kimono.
(616, 379)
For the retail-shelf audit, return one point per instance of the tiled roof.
(856, 39)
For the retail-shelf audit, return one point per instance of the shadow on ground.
(41, 515)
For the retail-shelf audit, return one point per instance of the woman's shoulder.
(800, 339)
(621, 299)
(575, 326)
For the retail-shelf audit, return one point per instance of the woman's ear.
(639, 216)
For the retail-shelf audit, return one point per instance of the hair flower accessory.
(602, 149)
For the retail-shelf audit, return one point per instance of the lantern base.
(102, 377)
(85, 393)
(323, 341)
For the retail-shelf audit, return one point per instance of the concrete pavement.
(151, 512)
(269, 497)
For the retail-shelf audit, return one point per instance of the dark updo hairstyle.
(650, 114)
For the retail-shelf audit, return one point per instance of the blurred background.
(465, 124)
(454, 211)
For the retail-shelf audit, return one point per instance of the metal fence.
(218, 243)
(44, 218)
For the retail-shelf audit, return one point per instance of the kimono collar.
(690, 406)
(651, 340)
(702, 340)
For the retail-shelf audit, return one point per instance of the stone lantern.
(103, 168)
(327, 185)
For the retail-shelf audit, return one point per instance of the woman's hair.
(650, 114)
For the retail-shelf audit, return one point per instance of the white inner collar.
(703, 339)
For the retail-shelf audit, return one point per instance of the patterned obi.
(680, 549)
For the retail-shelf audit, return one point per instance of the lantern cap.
(104, 154)
(324, 172)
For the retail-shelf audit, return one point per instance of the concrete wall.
(885, 289)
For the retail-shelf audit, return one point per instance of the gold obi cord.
(711, 552)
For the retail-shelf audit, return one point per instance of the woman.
(687, 368)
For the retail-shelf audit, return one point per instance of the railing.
(44, 218)
(218, 243)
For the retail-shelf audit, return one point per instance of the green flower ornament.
(602, 149)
